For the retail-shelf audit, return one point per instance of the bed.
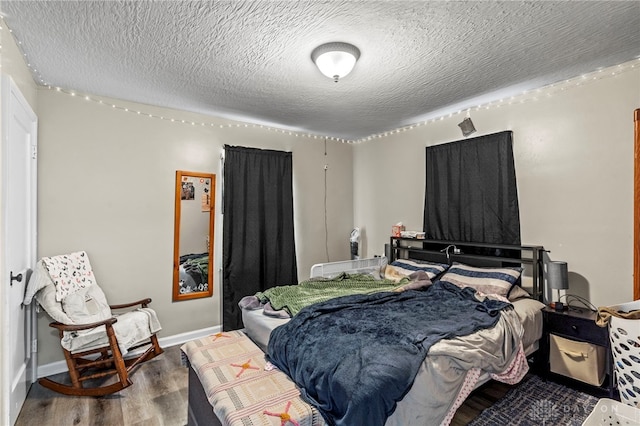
(441, 381)
(193, 272)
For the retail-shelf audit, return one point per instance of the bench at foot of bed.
(229, 373)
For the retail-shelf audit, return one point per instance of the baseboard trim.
(165, 342)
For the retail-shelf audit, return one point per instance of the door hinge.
(34, 346)
(34, 152)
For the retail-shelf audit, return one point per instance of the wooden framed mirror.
(193, 235)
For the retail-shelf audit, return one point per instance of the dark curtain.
(471, 193)
(258, 248)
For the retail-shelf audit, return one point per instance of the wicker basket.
(611, 412)
(625, 346)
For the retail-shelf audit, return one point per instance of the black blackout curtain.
(471, 193)
(258, 241)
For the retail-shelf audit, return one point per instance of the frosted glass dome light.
(335, 60)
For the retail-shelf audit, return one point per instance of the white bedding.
(258, 326)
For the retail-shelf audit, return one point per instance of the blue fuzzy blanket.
(354, 357)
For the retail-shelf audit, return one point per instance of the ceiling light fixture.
(336, 59)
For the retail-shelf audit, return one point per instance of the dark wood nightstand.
(579, 325)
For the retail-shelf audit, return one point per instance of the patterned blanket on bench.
(232, 371)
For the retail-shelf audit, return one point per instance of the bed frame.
(476, 254)
(200, 412)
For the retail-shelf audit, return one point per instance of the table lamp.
(558, 278)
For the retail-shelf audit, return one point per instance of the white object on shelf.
(611, 412)
(332, 269)
(624, 335)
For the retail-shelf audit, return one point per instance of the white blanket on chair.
(131, 328)
(38, 280)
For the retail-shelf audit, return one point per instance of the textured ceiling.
(250, 60)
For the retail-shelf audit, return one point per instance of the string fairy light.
(529, 95)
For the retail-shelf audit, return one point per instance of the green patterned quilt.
(293, 298)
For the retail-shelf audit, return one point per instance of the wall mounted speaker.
(467, 126)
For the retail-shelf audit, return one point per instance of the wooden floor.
(158, 397)
(481, 398)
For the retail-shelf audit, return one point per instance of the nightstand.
(578, 325)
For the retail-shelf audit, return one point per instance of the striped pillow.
(408, 267)
(497, 281)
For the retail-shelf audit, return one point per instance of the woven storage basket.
(611, 412)
(625, 346)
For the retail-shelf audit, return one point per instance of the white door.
(19, 143)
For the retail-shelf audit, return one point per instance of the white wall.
(107, 180)
(573, 151)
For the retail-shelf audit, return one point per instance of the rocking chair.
(93, 339)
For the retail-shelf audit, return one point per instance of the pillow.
(46, 297)
(408, 267)
(517, 293)
(82, 307)
(499, 281)
(86, 306)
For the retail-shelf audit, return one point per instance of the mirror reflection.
(193, 236)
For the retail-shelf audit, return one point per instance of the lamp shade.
(558, 275)
(335, 60)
